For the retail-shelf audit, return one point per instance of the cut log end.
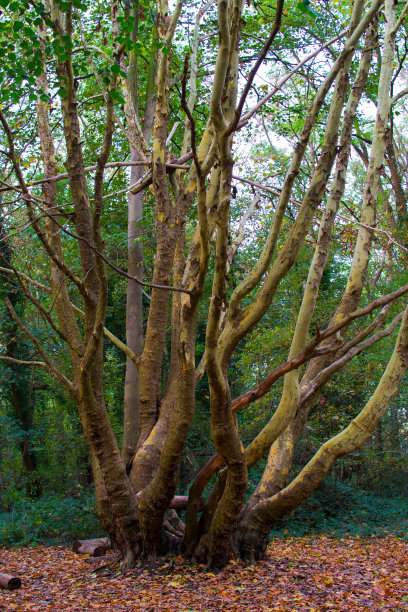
(9, 582)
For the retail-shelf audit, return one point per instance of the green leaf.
(117, 96)
(304, 7)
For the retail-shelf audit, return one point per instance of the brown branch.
(46, 314)
(60, 177)
(27, 199)
(28, 279)
(97, 334)
(325, 374)
(114, 339)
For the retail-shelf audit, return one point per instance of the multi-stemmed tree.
(106, 88)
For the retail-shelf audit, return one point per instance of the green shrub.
(49, 520)
(338, 509)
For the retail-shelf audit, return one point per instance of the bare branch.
(114, 339)
(255, 68)
(41, 364)
(50, 365)
(28, 198)
(111, 265)
(286, 78)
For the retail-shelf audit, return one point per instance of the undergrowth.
(49, 520)
(334, 509)
(338, 509)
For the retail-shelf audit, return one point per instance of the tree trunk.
(134, 318)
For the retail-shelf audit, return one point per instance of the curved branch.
(216, 461)
(27, 199)
(114, 339)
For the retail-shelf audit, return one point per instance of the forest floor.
(309, 574)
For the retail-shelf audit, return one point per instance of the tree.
(63, 50)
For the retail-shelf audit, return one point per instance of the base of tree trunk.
(96, 547)
(9, 582)
(249, 543)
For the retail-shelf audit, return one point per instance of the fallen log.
(99, 546)
(96, 547)
(179, 502)
(9, 582)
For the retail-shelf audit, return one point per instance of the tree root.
(128, 561)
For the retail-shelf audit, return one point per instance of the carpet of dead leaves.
(301, 574)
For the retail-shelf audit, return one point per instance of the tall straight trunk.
(134, 317)
(134, 294)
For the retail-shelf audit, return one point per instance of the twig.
(255, 68)
(114, 339)
(111, 265)
(41, 364)
(286, 78)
